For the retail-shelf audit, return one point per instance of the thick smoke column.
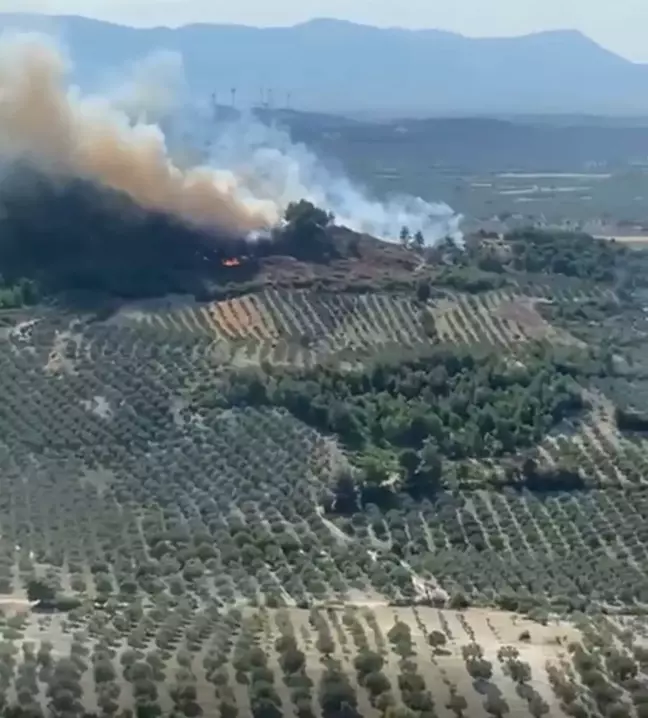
(242, 188)
(64, 133)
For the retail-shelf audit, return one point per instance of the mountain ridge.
(339, 66)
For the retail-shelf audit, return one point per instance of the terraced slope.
(303, 327)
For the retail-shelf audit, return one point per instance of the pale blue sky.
(620, 25)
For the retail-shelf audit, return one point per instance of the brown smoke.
(64, 133)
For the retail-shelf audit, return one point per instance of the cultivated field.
(184, 471)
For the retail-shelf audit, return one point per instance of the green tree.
(495, 705)
(304, 213)
(423, 290)
(292, 660)
(437, 639)
(376, 683)
(367, 662)
(418, 242)
(41, 591)
(519, 671)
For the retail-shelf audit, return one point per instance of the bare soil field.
(353, 631)
(492, 630)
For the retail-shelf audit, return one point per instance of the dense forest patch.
(404, 418)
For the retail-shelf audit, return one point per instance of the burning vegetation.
(232, 262)
(77, 239)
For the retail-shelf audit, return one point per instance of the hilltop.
(48, 254)
(330, 65)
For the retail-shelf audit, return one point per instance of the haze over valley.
(336, 66)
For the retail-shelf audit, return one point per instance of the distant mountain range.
(337, 66)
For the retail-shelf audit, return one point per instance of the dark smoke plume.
(76, 237)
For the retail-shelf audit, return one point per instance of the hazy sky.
(617, 24)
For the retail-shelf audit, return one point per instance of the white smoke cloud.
(154, 87)
(283, 171)
(270, 166)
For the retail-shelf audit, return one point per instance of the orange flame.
(231, 262)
